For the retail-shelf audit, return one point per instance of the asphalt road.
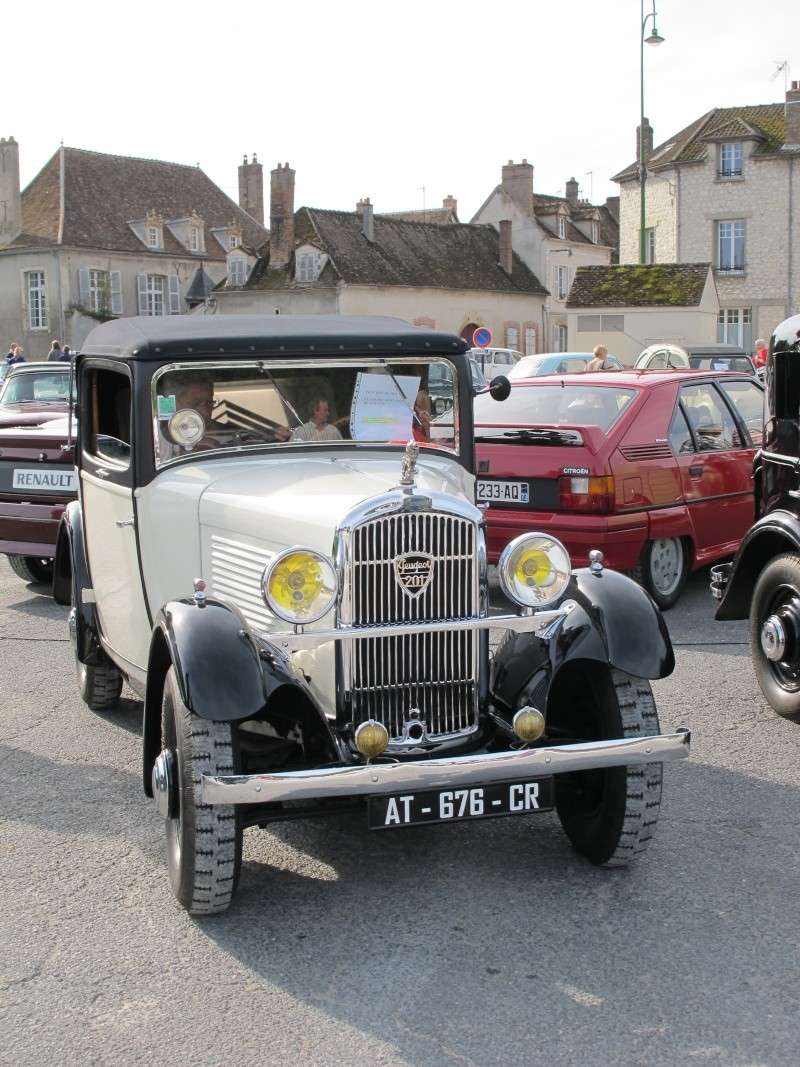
(486, 944)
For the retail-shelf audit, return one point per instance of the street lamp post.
(654, 38)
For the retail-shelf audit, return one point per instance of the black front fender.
(775, 533)
(613, 621)
(71, 582)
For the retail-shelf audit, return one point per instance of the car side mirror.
(500, 387)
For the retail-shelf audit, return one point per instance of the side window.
(575, 366)
(108, 437)
(710, 419)
(658, 361)
(748, 400)
(680, 436)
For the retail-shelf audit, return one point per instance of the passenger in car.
(318, 427)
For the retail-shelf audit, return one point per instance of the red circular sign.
(482, 337)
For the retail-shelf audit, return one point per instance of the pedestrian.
(66, 354)
(598, 361)
(761, 352)
(15, 354)
(55, 352)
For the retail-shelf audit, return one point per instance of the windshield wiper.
(265, 370)
(535, 437)
(403, 396)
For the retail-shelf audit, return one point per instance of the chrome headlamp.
(534, 570)
(299, 585)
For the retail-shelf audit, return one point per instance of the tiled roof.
(424, 255)
(103, 193)
(442, 216)
(634, 285)
(765, 122)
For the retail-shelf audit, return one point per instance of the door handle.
(125, 522)
(101, 472)
(696, 472)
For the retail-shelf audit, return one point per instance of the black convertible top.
(160, 338)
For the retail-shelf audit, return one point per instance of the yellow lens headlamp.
(299, 585)
(534, 570)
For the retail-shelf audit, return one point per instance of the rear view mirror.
(500, 387)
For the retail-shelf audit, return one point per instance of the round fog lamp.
(186, 428)
(528, 724)
(372, 738)
(299, 585)
(534, 570)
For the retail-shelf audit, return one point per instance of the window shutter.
(141, 286)
(174, 294)
(83, 287)
(116, 292)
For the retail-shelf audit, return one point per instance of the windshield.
(202, 407)
(553, 405)
(32, 387)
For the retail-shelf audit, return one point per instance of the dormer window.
(194, 239)
(307, 266)
(595, 233)
(234, 240)
(730, 159)
(237, 272)
(562, 227)
(152, 236)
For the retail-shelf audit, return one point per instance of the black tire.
(664, 588)
(100, 684)
(204, 841)
(32, 569)
(610, 815)
(777, 593)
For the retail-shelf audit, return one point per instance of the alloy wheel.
(666, 564)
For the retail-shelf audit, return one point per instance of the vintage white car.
(276, 544)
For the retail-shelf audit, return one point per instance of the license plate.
(51, 481)
(504, 492)
(456, 805)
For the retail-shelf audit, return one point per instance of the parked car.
(300, 598)
(494, 361)
(763, 581)
(662, 357)
(440, 386)
(34, 392)
(720, 357)
(654, 470)
(556, 363)
(37, 481)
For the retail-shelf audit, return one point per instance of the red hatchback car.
(652, 467)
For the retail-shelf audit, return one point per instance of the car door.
(106, 487)
(716, 475)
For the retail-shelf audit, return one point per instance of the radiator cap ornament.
(413, 572)
(408, 470)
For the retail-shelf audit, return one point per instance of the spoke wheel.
(775, 634)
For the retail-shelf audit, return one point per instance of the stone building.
(95, 236)
(442, 274)
(627, 307)
(554, 236)
(726, 189)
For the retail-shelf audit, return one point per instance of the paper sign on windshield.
(379, 412)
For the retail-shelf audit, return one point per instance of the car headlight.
(534, 570)
(299, 585)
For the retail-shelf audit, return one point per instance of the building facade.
(96, 236)
(442, 274)
(553, 236)
(726, 189)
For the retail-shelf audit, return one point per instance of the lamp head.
(654, 38)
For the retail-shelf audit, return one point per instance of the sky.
(404, 103)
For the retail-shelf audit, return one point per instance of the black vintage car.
(280, 551)
(763, 581)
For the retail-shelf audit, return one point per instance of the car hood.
(12, 415)
(302, 499)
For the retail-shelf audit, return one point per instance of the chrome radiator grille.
(435, 674)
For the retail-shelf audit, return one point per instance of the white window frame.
(307, 267)
(155, 291)
(237, 269)
(36, 298)
(561, 282)
(729, 231)
(562, 227)
(731, 160)
(99, 288)
(194, 239)
(596, 232)
(650, 244)
(512, 337)
(560, 339)
(735, 327)
(234, 240)
(152, 237)
(529, 340)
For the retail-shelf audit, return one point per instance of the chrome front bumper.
(361, 780)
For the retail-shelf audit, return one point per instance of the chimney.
(648, 141)
(251, 189)
(793, 116)
(504, 246)
(517, 182)
(364, 212)
(281, 216)
(10, 200)
(572, 192)
(451, 204)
